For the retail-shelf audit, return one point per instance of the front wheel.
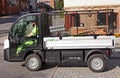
(97, 63)
(33, 62)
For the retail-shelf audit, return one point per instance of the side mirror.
(59, 35)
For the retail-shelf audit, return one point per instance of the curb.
(9, 16)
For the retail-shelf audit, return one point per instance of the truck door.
(17, 36)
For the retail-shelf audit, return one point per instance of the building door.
(72, 20)
(112, 22)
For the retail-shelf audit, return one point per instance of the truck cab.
(18, 32)
(94, 50)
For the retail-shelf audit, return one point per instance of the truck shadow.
(73, 64)
(112, 64)
(64, 64)
(44, 66)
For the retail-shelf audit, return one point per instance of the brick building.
(92, 17)
(10, 7)
(48, 2)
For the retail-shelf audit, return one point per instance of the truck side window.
(19, 29)
(23, 26)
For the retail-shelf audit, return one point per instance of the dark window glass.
(101, 19)
(23, 26)
(75, 20)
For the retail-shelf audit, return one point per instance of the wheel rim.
(33, 63)
(96, 63)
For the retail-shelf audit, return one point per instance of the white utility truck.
(94, 50)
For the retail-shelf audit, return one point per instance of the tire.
(33, 62)
(97, 63)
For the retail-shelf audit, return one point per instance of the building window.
(12, 2)
(101, 19)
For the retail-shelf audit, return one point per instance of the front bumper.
(7, 54)
(7, 57)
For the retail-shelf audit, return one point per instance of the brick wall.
(90, 26)
(88, 21)
(2, 7)
(88, 31)
(118, 22)
(48, 2)
(12, 9)
(7, 9)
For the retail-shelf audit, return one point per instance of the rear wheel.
(97, 63)
(33, 62)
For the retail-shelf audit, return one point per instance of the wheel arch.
(92, 52)
(37, 52)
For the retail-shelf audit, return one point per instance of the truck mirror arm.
(60, 37)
